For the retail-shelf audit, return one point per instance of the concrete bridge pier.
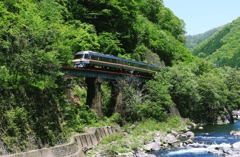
(94, 95)
(117, 95)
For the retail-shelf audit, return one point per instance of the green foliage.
(231, 80)
(116, 118)
(111, 138)
(174, 122)
(200, 91)
(106, 98)
(222, 48)
(109, 44)
(194, 40)
(124, 26)
(77, 117)
(81, 93)
(160, 42)
(37, 38)
(112, 16)
(150, 125)
(34, 44)
(159, 98)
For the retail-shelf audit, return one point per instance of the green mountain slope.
(223, 48)
(193, 40)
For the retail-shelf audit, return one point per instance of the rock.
(216, 151)
(236, 115)
(180, 136)
(189, 141)
(158, 140)
(189, 134)
(174, 132)
(133, 126)
(235, 133)
(125, 133)
(170, 139)
(129, 154)
(143, 154)
(232, 132)
(153, 146)
(236, 146)
(194, 125)
(158, 134)
(226, 149)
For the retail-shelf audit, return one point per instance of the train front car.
(81, 59)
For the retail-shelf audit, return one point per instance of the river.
(217, 134)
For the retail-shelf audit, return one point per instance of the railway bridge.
(94, 79)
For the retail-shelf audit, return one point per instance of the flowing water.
(216, 134)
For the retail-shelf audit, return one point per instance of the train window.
(86, 56)
(79, 56)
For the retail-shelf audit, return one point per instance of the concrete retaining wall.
(77, 145)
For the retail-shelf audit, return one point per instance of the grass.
(138, 134)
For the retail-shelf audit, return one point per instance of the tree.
(231, 79)
(159, 99)
(35, 42)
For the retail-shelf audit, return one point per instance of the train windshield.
(78, 56)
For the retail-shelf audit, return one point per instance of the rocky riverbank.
(226, 149)
(158, 141)
(176, 139)
(141, 144)
(168, 140)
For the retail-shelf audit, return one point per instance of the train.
(95, 60)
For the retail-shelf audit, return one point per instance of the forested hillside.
(38, 37)
(194, 40)
(223, 47)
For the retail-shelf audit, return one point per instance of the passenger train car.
(89, 59)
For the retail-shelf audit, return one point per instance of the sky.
(202, 15)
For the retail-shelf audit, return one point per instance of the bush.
(112, 137)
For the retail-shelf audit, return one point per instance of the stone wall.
(77, 145)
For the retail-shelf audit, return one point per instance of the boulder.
(170, 138)
(153, 146)
(174, 132)
(189, 134)
(236, 115)
(143, 154)
(158, 140)
(235, 133)
(216, 151)
(236, 146)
